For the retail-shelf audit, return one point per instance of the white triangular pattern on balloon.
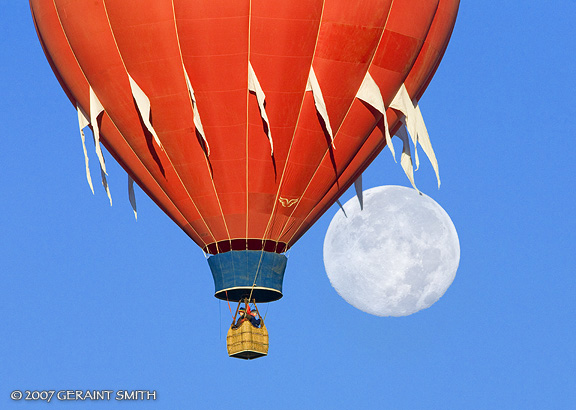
(358, 188)
(313, 86)
(406, 158)
(197, 120)
(424, 141)
(143, 104)
(83, 122)
(341, 207)
(254, 86)
(369, 92)
(105, 185)
(96, 109)
(414, 122)
(403, 103)
(131, 195)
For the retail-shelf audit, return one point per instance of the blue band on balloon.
(234, 273)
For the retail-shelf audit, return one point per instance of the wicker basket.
(247, 342)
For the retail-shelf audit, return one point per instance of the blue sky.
(91, 299)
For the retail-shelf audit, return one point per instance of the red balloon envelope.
(244, 121)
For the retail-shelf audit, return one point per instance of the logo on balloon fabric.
(288, 203)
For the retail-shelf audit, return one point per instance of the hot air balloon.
(245, 121)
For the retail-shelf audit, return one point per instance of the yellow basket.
(247, 342)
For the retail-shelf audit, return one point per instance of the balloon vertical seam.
(248, 123)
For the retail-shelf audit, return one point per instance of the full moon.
(396, 256)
